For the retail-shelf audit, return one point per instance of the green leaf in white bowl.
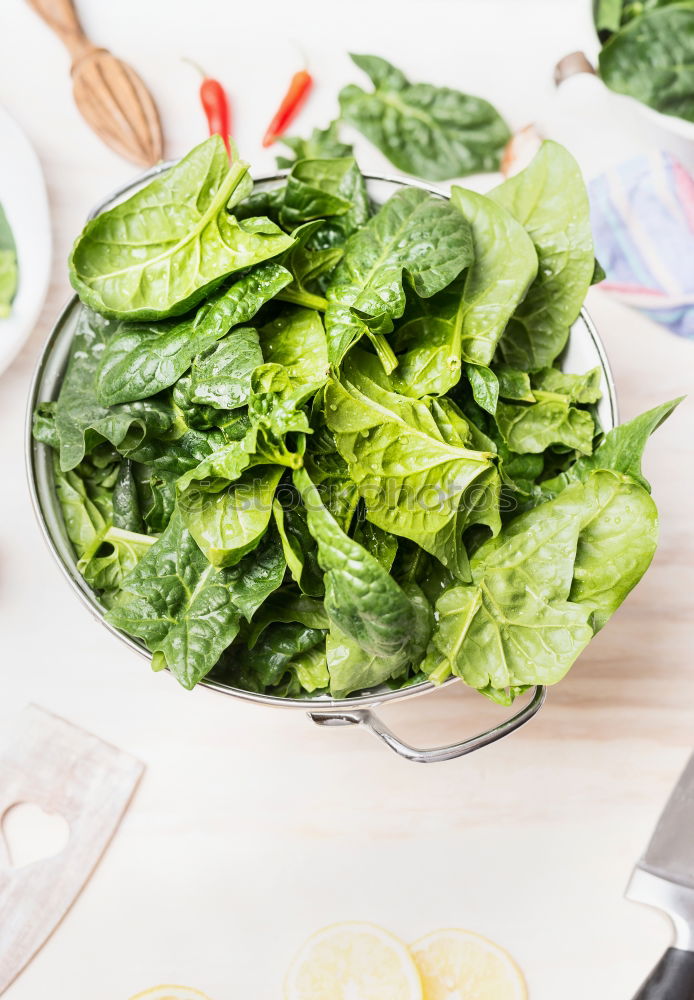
(8, 266)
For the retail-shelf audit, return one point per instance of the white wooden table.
(253, 827)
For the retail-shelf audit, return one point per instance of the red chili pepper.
(215, 103)
(292, 103)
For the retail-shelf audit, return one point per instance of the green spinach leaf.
(126, 500)
(296, 340)
(274, 412)
(652, 59)
(173, 458)
(310, 267)
(616, 544)
(142, 359)
(366, 293)
(106, 553)
(287, 605)
(621, 450)
(361, 598)
(413, 472)
(156, 496)
(431, 132)
(43, 427)
(172, 243)
(514, 384)
(575, 388)
(504, 267)
(323, 143)
(381, 544)
(428, 343)
(549, 199)
(535, 427)
(82, 422)
(186, 610)
(332, 191)
(221, 375)
(272, 656)
(230, 524)
(299, 547)
(8, 266)
(514, 625)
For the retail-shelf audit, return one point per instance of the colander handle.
(431, 755)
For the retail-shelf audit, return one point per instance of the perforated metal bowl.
(583, 352)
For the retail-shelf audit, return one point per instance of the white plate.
(23, 196)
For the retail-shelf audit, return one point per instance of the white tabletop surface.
(252, 827)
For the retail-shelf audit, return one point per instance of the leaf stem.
(441, 673)
(302, 298)
(385, 352)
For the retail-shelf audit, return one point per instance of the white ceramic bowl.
(23, 197)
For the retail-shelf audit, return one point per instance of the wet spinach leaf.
(296, 340)
(535, 427)
(221, 375)
(464, 322)
(620, 451)
(361, 598)
(184, 609)
(299, 547)
(142, 359)
(285, 605)
(272, 656)
(504, 267)
(514, 624)
(82, 422)
(367, 293)
(229, 524)
(391, 444)
(330, 190)
(168, 246)
(107, 552)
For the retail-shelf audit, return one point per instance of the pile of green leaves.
(8, 266)
(315, 445)
(433, 132)
(648, 51)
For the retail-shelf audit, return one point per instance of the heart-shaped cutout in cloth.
(31, 834)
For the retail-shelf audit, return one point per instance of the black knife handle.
(672, 978)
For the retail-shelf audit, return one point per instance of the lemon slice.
(169, 992)
(353, 961)
(458, 965)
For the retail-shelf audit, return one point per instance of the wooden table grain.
(252, 827)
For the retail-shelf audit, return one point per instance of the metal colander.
(583, 352)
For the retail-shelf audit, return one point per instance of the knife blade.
(664, 878)
(670, 853)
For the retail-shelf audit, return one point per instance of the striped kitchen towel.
(643, 224)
